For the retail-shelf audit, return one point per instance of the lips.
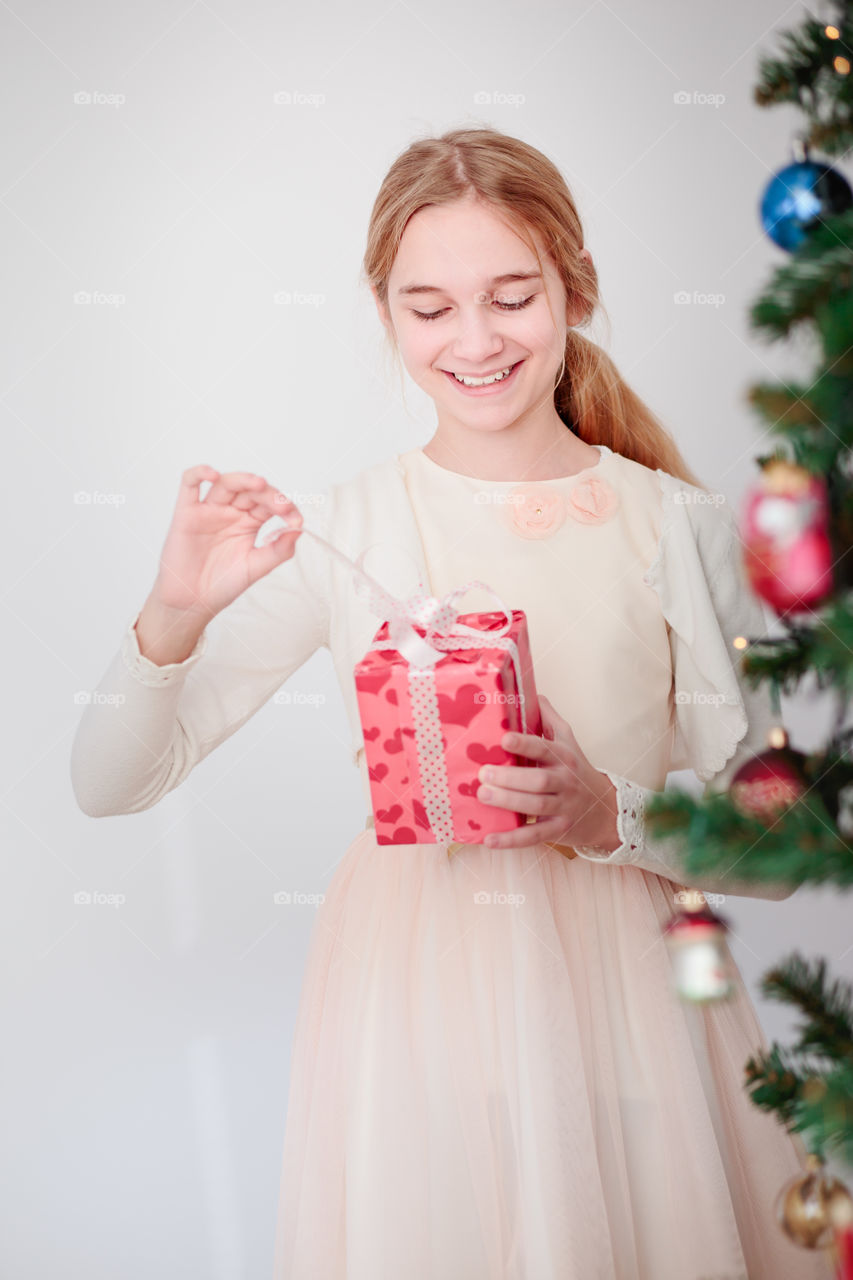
(490, 388)
(491, 373)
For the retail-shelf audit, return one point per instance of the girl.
(491, 1074)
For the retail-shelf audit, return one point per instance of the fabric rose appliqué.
(536, 510)
(592, 500)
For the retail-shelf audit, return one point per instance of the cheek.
(419, 344)
(541, 337)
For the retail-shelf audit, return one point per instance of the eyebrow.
(507, 278)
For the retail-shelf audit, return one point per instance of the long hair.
(529, 192)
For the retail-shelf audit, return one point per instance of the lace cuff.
(630, 824)
(148, 672)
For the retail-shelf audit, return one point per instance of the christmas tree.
(787, 815)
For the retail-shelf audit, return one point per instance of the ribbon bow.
(433, 614)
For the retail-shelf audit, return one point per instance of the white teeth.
(483, 382)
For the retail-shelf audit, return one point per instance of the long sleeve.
(147, 726)
(738, 612)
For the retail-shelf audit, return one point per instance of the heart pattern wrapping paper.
(429, 730)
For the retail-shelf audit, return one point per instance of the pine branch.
(825, 1112)
(803, 73)
(828, 1009)
(817, 275)
(802, 846)
(775, 1081)
(805, 1098)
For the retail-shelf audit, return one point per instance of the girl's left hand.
(570, 797)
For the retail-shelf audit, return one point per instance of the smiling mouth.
(487, 380)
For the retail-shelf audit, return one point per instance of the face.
(452, 316)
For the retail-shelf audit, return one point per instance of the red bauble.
(787, 553)
(768, 784)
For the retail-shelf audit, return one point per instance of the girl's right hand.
(209, 557)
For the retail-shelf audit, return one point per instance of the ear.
(381, 309)
(574, 315)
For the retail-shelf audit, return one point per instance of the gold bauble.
(807, 1205)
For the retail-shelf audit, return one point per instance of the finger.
(245, 501)
(548, 717)
(529, 745)
(287, 512)
(262, 559)
(272, 502)
(529, 834)
(518, 801)
(192, 480)
(225, 489)
(522, 777)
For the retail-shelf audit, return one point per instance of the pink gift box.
(476, 697)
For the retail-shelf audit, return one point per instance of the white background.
(145, 1067)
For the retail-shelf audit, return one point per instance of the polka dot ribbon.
(437, 616)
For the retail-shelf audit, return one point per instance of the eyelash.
(505, 306)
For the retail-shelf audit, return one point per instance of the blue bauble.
(797, 197)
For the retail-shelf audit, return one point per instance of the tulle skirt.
(493, 1079)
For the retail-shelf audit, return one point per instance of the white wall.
(145, 1069)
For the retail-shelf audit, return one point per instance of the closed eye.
(505, 306)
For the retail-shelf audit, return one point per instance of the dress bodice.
(572, 552)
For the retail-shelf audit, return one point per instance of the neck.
(511, 454)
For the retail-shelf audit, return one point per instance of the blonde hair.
(529, 191)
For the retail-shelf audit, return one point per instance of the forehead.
(461, 244)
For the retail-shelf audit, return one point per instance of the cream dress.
(492, 1078)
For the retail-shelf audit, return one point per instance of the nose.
(477, 338)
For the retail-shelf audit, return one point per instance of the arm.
(148, 725)
(738, 612)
